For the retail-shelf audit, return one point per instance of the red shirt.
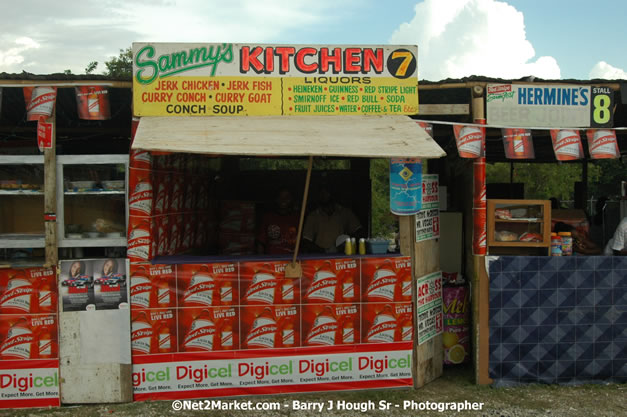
(278, 233)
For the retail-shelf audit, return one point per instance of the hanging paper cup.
(39, 101)
(602, 144)
(517, 143)
(469, 141)
(566, 144)
(428, 127)
(93, 103)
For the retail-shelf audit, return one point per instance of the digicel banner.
(247, 79)
(33, 383)
(271, 371)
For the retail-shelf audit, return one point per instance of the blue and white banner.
(526, 105)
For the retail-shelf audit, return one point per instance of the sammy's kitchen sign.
(531, 105)
(179, 79)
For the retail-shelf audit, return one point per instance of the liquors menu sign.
(179, 79)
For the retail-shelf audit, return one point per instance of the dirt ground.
(456, 385)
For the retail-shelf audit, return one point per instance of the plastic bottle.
(567, 243)
(556, 245)
(362, 246)
(348, 250)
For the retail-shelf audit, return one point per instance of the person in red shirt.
(279, 228)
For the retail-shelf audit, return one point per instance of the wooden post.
(480, 285)
(428, 358)
(50, 196)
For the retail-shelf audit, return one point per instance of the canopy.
(345, 136)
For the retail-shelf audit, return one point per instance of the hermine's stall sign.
(179, 79)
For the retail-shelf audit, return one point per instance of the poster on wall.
(405, 186)
(470, 141)
(29, 343)
(228, 79)
(429, 306)
(428, 218)
(93, 284)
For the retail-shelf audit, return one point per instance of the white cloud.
(459, 38)
(607, 72)
(77, 33)
(14, 55)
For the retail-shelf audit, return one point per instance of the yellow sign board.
(242, 80)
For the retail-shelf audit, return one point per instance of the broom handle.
(302, 210)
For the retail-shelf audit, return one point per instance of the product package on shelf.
(169, 208)
(29, 338)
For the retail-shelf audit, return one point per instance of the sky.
(549, 39)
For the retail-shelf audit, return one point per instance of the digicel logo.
(142, 376)
(380, 365)
(320, 368)
(261, 371)
(199, 374)
(24, 383)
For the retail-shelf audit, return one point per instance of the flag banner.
(566, 144)
(470, 141)
(602, 144)
(39, 102)
(428, 127)
(93, 103)
(518, 143)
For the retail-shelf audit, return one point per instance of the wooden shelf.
(540, 225)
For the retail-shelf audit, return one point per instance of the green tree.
(383, 221)
(122, 65)
(91, 67)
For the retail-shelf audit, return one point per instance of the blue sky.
(551, 39)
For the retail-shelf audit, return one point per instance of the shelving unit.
(27, 229)
(528, 216)
(84, 206)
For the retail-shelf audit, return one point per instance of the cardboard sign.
(44, 135)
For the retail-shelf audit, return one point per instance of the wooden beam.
(65, 83)
(50, 196)
(443, 109)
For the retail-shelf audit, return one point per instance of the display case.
(21, 201)
(519, 227)
(92, 205)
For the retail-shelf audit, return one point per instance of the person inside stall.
(582, 245)
(327, 222)
(278, 228)
(618, 243)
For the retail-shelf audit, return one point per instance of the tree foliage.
(122, 65)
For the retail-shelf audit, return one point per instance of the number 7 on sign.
(407, 57)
